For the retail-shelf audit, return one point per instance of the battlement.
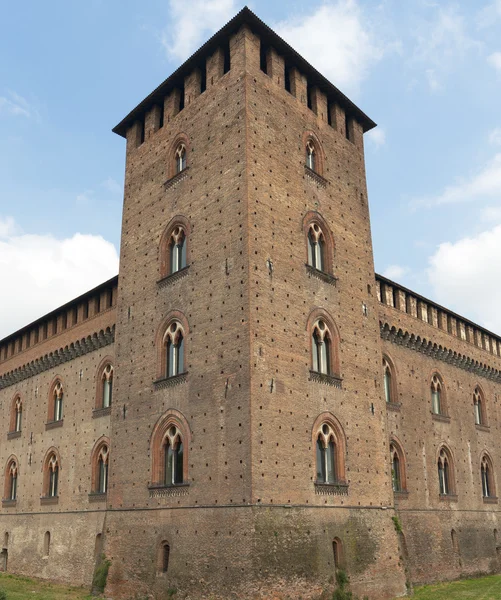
(402, 299)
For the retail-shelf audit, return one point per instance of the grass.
(22, 588)
(483, 588)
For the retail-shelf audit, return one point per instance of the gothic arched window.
(311, 161)
(437, 396)
(389, 381)
(177, 250)
(180, 156)
(479, 407)
(321, 348)
(11, 474)
(51, 476)
(487, 476)
(16, 415)
(100, 465)
(174, 350)
(329, 443)
(398, 474)
(169, 450)
(56, 401)
(445, 472)
(316, 247)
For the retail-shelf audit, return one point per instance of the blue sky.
(429, 73)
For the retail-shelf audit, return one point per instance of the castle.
(247, 406)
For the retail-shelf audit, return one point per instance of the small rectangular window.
(287, 79)
(348, 127)
(45, 331)
(161, 119)
(98, 304)
(309, 93)
(181, 98)
(86, 310)
(263, 58)
(65, 321)
(141, 133)
(227, 57)
(203, 79)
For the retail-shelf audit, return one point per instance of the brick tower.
(249, 443)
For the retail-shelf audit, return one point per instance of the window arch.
(100, 460)
(329, 443)
(11, 479)
(338, 553)
(178, 155)
(437, 390)
(314, 159)
(16, 414)
(479, 407)
(398, 467)
(56, 397)
(104, 383)
(446, 484)
(487, 477)
(319, 243)
(174, 247)
(169, 450)
(163, 557)
(389, 381)
(324, 343)
(51, 468)
(171, 340)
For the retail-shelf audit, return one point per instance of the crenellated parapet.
(428, 315)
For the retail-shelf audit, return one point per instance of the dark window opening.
(203, 79)
(263, 51)
(54, 326)
(165, 558)
(227, 58)
(109, 299)
(287, 80)
(347, 127)
(161, 121)
(141, 132)
(98, 304)
(44, 332)
(396, 302)
(181, 99)
(65, 321)
(86, 310)
(309, 91)
(329, 113)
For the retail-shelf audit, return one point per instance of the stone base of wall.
(72, 549)
(252, 552)
(434, 556)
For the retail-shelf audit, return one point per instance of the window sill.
(440, 418)
(395, 406)
(485, 428)
(101, 412)
(327, 379)
(161, 490)
(12, 435)
(46, 500)
(8, 503)
(176, 179)
(331, 489)
(448, 497)
(165, 382)
(490, 499)
(311, 174)
(173, 277)
(327, 277)
(53, 424)
(97, 497)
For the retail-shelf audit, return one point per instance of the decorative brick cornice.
(161, 491)
(331, 489)
(327, 277)
(173, 277)
(176, 179)
(318, 179)
(59, 357)
(327, 379)
(97, 497)
(165, 382)
(437, 352)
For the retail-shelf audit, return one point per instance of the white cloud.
(42, 272)
(491, 214)
(465, 276)
(377, 137)
(338, 40)
(486, 183)
(191, 21)
(494, 60)
(112, 186)
(15, 105)
(395, 272)
(441, 42)
(495, 137)
(488, 15)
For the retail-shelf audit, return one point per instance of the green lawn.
(484, 588)
(22, 588)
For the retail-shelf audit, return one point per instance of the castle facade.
(247, 406)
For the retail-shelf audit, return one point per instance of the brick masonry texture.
(250, 520)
